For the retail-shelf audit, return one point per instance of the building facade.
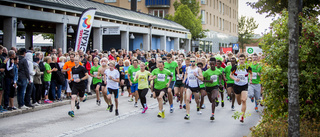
(220, 17)
(132, 30)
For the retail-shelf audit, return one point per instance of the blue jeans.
(28, 94)
(54, 84)
(22, 86)
(7, 90)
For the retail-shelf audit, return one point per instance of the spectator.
(47, 78)
(24, 78)
(55, 87)
(9, 75)
(30, 84)
(37, 82)
(65, 84)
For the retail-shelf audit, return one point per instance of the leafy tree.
(186, 14)
(275, 46)
(246, 30)
(272, 7)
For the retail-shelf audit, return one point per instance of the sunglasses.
(192, 61)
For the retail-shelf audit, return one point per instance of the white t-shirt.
(114, 74)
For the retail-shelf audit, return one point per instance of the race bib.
(192, 79)
(177, 76)
(75, 76)
(171, 75)
(214, 78)
(95, 73)
(161, 77)
(134, 74)
(242, 77)
(254, 75)
(142, 77)
(126, 72)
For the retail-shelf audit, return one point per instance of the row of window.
(208, 18)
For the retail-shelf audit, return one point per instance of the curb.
(40, 107)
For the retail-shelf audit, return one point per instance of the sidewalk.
(40, 107)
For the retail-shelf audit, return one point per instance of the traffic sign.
(250, 50)
(235, 46)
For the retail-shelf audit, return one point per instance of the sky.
(261, 19)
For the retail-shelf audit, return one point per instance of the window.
(203, 17)
(222, 24)
(210, 19)
(213, 4)
(220, 6)
(214, 23)
(207, 18)
(230, 27)
(109, 1)
(223, 9)
(159, 13)
(230, 12)
(203, 1)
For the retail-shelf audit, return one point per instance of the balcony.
(158, 3)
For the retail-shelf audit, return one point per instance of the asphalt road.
(92, 120)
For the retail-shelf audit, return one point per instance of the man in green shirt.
(132, 70)
(161, 84)
(230, 82)
(95, 80)
(172, 66)
(254, 88)
(219, 63)
(212, 81)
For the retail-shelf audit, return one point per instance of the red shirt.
(111, 57)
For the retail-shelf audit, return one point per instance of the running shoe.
(47, 101)
(232, 108)
(111, 108)
(228, 98)
(71, 113)
(178, 98)
(212, 117)
(203, 106)
(241, 120)
(222, 103)
(199, 112)
(77, 105)
(143, 111)
(187, 117)
(180, 106)
(256, 109)
(163, 115)
(85, 98)
(217, 103)
(98, 102)
(184, 106)
(117, 113)
(108, 108)
(252, 99)
(145, 108)
(136, 104)
(89, 93)
(122, 94)
(130, 100)
(171, 109)
(159, 115)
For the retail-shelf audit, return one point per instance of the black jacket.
(23, 71)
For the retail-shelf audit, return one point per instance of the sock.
(198, 108)
(212, 114)
(171, 105)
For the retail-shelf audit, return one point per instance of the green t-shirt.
(46, 75)
(94, 71)
(212, 75)
(201, 83)
(162, 78)
(227, 71)
(222, 70)
(172, 68)
(132, 71)
(256, 69)
(143, 79)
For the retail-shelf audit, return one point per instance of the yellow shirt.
(142, 79)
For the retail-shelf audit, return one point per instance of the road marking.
(103, 123)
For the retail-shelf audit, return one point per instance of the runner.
(254, 88)
(179, 86)
(172, 66)
(230, 82)
(112, 77)
(239, 73)
(95, 80)
(132, 70)
(161, 84)
(143, 85)
(194, 74)
(79, 74)
(219, 63)
(188, 63)
(101, 75)
(212, 81)
(119, 67)
(202, 89)
(126, 81)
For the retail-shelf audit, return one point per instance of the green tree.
(273, 7)
(186, 14)
(246, 30)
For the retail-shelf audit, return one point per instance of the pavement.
(92, 120)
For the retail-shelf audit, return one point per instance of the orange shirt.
(70, 65)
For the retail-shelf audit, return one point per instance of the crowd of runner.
(41, 78)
